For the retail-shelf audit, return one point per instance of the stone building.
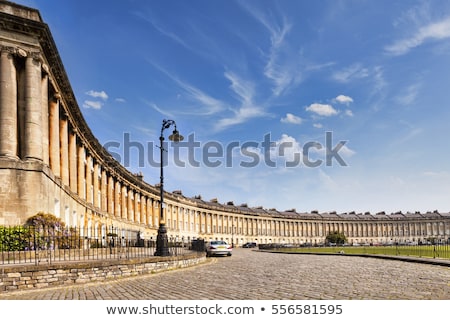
(51, 162)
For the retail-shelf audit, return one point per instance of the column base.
(162, 242)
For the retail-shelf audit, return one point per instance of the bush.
(15, 238)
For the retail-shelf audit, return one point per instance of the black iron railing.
(44, 244)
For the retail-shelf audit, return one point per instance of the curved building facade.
(51, 162)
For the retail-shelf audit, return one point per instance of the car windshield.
(218, 242)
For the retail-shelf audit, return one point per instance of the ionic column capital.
(9, 50)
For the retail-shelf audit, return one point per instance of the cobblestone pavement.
(252, 275)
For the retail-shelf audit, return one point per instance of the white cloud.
(290, 118)
(286, 147)
(98, 94)
(317, 125)
(346, 151)
(349, 113)
(344, 99)
(433, 31)
(92, 104)
(322, 109)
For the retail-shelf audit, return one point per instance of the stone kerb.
(43, 276)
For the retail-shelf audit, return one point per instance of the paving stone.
(253, 275)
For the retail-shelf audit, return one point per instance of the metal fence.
(46, 244)
(439, 250)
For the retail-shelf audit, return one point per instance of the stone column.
(64, 150)
(143, 210)
(45, 107)
(150, 209)
(8, 105)
(110, 197)
(81, 172)
(33, 109)
(73, 161)
(130, 205)
(104, 192)
(88, 179)
(54, 135)
(137, 210)
(117, 206)
(123, 202)
(95, 185)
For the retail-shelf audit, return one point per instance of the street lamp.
(162, 242)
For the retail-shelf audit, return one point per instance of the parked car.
(218, 247)
(249, 245)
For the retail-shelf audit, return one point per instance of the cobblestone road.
(251, 275)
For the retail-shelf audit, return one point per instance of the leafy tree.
(336, 237)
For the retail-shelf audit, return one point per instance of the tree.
(336, 237)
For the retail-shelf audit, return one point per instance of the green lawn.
(429, 251)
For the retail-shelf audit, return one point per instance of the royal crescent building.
(51, 162)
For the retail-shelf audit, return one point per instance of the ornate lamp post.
(162, 242)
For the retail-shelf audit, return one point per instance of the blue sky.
(374, 74)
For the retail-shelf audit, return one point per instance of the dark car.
(249, 245)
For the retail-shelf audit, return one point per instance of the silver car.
(218, 247)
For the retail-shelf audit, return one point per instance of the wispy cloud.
(247, 109)
(158, 109)
(209, 105)
(281, 66)
(433, 31)
(355, 71)
(408, 95)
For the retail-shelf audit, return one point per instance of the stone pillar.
(89, 179)
(143, 210)
(110, 197)
(137, 210)
(8, 105)
(45, 111)
(117, 206)
(130, 205)
(123, 202)
(104, 192)
(54, 135)
(95, 185)
(64, 150)
(150, 209)
(33, 109)
(73, 161)
(81, 172)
